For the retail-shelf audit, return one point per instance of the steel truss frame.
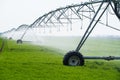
(63, 16)
(60, 16)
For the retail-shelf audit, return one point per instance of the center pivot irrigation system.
(64, 16)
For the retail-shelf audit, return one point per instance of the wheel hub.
(74, 60)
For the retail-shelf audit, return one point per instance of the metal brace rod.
(38, 20)
(92, 10)
(80, 8)
(44, 17)
(75, 12)
(58, 20)
(24, 33)
(66, 16)
(62, 13)
(50, 17)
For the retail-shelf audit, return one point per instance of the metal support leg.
(24, 33)
(90, 27)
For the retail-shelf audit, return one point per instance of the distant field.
(31, 62)
(101, 46)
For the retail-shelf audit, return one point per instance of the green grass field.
(31, 62)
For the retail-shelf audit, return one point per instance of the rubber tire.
(70, 54)
(19, 41)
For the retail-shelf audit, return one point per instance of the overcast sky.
(13, 13)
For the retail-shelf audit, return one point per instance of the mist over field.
(94, 45)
